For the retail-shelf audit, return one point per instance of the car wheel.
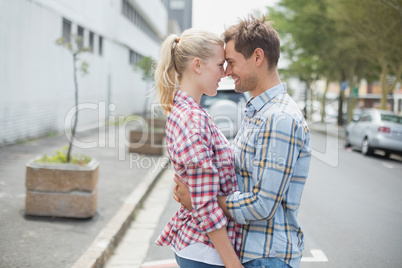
(366, 149)
(347, 142)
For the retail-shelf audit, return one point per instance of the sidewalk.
(139, 238)
(124, 181)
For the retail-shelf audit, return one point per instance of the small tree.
(75, 48)
(145, 65)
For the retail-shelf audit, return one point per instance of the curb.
(109, 237)
(342, 137)
(325, 129)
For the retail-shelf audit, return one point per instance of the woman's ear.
(196, 64)
(258, 56)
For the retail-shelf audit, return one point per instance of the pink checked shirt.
(203, 159)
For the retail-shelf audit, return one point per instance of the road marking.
(387, 165)
(390, 166)
(318, 256)
(160, 264)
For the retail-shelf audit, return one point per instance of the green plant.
(146, 66)
(61, 157)
(75, 48)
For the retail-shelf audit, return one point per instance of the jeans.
(186, 263)
(266, 263)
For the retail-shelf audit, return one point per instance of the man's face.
(240, 69)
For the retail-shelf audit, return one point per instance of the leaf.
(146, 65)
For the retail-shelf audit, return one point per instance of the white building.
(36, 75)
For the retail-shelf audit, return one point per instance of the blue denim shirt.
(272, 160)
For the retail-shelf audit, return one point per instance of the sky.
(213, 15)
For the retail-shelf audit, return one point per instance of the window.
(391, 118)
(67, 30)
(91, 41)
(80, 33)
(124, 7)
(100, 45)
(177, 4)
(134, 57)
(136, 18)
(366, 118)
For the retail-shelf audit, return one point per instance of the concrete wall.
(36, 75)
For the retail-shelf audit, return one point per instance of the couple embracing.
(239, 201)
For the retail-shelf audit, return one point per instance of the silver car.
(376, 129)
(226, 108)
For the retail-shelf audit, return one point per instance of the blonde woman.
(192, 65)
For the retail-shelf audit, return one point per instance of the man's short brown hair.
(252, 33)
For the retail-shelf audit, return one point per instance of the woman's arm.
(196, 155)
(219, 237)
(221, 241)
(182, 195)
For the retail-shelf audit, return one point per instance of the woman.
(189, 67)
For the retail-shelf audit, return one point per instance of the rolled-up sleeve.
(277, 147)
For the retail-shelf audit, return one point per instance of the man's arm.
(182, 196)
(276, 151)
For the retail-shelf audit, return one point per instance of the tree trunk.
(324, 102)
(76, 108)
(384, 86)
(340, 107)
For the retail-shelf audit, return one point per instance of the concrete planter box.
(150, 140)
(61, 190)
(156, 123)
(147, 142)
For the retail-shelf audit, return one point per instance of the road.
(350, 210)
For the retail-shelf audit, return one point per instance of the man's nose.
(228, 71)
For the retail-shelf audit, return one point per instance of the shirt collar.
(181, 96)
(256, 103)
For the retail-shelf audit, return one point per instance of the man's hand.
(181, 194)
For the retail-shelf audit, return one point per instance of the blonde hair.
(176, 53)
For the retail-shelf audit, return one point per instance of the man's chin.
(240, 89)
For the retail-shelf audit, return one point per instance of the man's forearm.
(222, 204)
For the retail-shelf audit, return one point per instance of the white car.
(376, 129)
(226, 108)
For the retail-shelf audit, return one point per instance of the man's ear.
(258, 56)
(196, 65)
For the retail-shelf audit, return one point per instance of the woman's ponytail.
(165, 74)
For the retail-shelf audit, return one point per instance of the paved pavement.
(124, 182)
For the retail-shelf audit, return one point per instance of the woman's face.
(213, 71)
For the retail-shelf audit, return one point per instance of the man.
(272, 151)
